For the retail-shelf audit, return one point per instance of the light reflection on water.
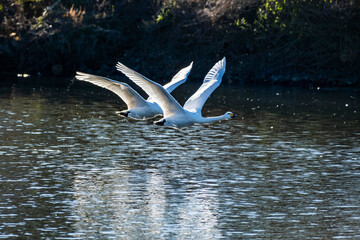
(288, 167)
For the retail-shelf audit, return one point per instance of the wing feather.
(179, 78)
(211, 81)
(167, 103)
(123, 90)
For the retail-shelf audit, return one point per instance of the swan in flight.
(138, 107)
(174, 115)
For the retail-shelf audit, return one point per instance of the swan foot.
(123, 113)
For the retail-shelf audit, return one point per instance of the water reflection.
(288, 167)
(142, 204)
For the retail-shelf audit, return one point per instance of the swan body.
(137, 107)
(174, 115)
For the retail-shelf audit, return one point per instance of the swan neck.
(213, 119)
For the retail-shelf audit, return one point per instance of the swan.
(174, 115)
(138, 107)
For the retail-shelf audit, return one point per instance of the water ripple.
(72, 169)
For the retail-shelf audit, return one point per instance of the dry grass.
(77, 15)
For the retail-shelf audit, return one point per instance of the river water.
(288, 167)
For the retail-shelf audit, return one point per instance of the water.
(287, 168)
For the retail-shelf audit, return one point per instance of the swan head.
(230, 115)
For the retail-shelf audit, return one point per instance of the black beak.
(234, 116)
(160, 123)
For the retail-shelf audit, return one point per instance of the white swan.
(138, 107)
(175, 115)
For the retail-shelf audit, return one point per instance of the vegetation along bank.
(314, 42)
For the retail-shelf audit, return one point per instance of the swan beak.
(233, 115)
(160, 123)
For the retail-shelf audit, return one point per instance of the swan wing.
(167, 103)
(179, 78)
(123, 90)
(211, 81)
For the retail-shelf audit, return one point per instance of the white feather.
(123, 90)
(138, 107)
(211, 81)
(157, 92)
(174, 114)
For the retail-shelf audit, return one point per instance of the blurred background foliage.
(265, 41)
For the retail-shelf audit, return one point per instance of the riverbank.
(268, 42)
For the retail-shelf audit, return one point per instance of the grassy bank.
(265, 41)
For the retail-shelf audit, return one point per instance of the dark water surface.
(287, 168)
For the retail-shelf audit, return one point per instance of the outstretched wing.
(124, 91)
(167, 103)
(211, 81)
(179, 78)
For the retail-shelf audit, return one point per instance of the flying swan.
(138, 107)
(173, 114)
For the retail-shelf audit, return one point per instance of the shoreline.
(277, 43)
